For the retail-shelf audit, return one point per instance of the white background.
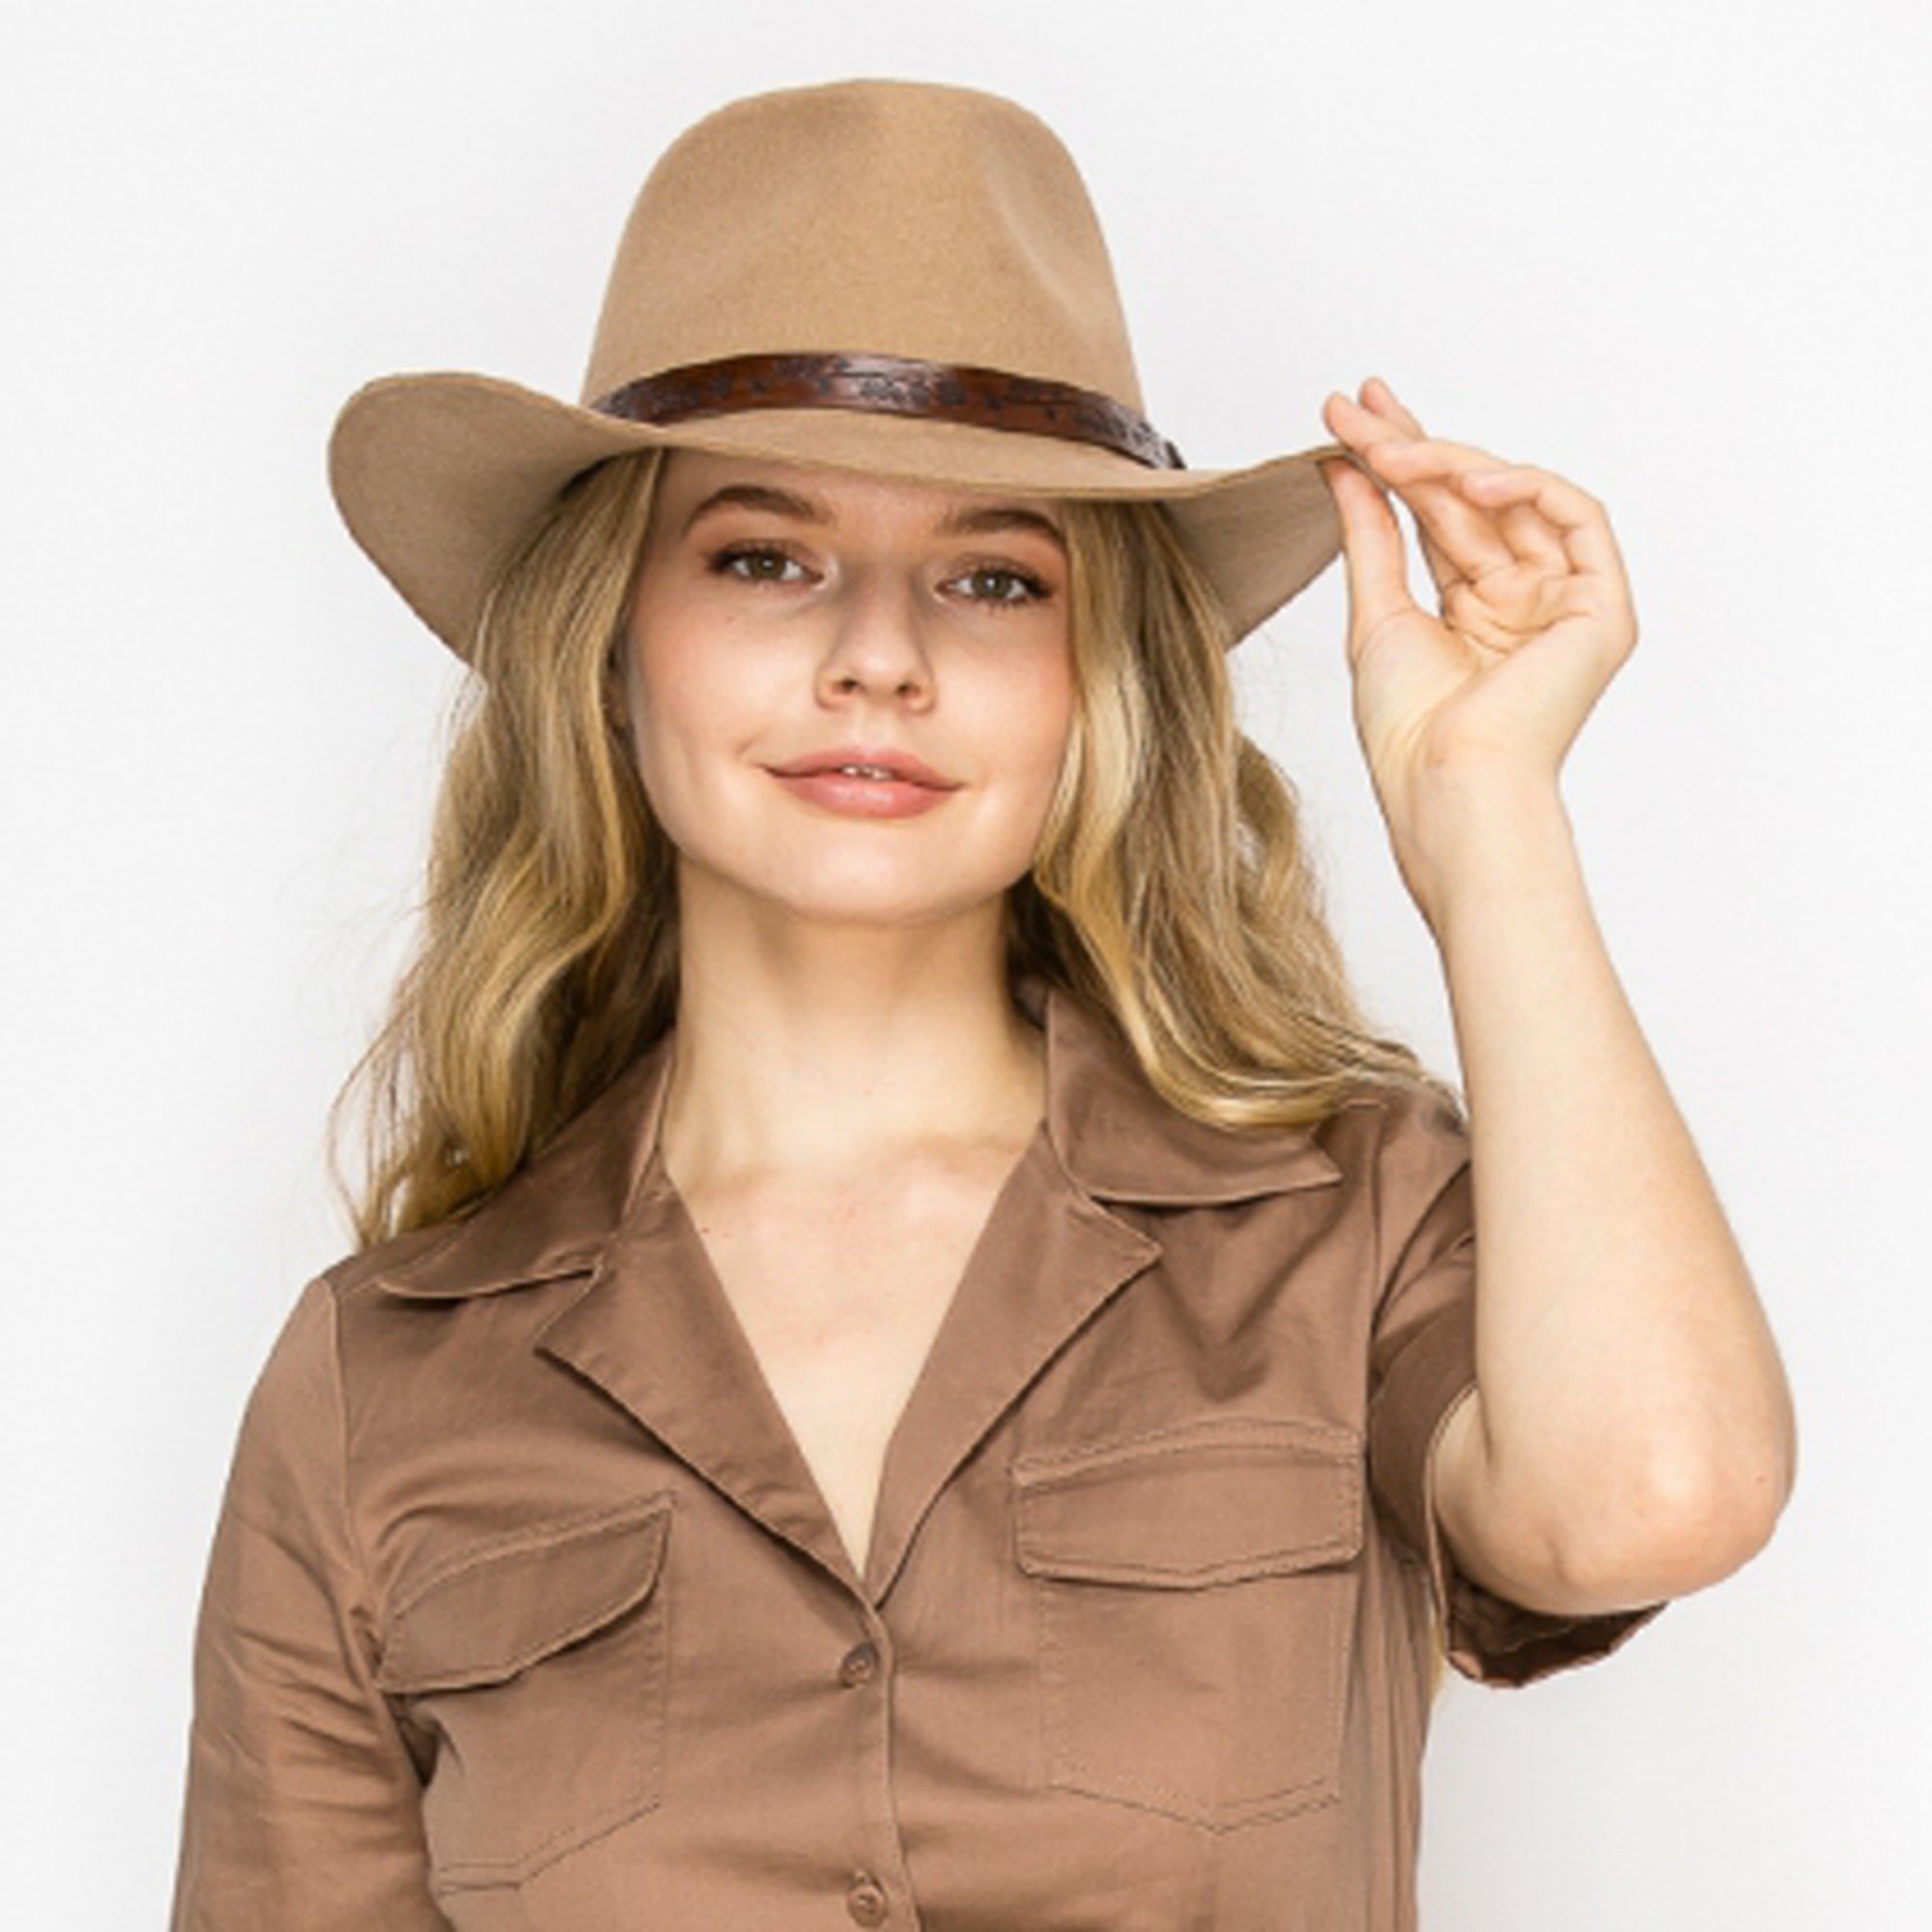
(1672, 251)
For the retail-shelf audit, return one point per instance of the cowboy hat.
(889, 276)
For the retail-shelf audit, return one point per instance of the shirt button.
(859, 1664)
(865, 1899)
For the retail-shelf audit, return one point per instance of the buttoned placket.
(655, 1329)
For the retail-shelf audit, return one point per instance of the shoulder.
(359, 1274)
(1404, 1134)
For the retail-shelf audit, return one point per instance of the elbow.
(1684, 1530)
(1728, 1510)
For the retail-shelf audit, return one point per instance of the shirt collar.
(1114, 1136)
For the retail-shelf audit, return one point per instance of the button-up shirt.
(523, 1609)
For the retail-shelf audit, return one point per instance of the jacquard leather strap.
(898, 386)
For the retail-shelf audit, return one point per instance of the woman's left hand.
(1536, 616)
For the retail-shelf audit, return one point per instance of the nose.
(877, 639)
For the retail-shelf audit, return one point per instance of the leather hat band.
(898, 386)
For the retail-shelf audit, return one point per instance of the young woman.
(910, 1356)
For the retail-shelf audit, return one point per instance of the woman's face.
(782, 612)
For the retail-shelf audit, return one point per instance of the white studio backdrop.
(1672, 251)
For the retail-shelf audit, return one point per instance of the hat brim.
(439, 475)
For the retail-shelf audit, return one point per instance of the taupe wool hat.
(880, 275)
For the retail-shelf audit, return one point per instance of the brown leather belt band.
(898, 386)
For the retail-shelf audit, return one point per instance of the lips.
(901, 764)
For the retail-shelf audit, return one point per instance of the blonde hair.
(1172, 888)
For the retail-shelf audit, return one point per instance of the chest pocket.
(539, 1663)
(1194, 1595)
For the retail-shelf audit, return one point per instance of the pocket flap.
(1206, 1502)
(493, 1609)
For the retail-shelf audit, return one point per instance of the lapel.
(654, 1328)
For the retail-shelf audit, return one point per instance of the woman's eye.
(993, 583)
(757, 564)
(999, 583)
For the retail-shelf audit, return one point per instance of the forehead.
(692, 475)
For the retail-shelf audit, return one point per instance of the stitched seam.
(460, 1874)
(542, 1646)
(641, 1791)
(1128, 1786)
(1311, 1556)
(1038, 1465)
(555, 1531)
(370, 1684)
(1376, 1257)
(340, 1396)
(1342, 1540)
(643, 1777)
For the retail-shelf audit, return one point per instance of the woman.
(910, 1356)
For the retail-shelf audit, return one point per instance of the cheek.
(1039, 713)
(678, 705)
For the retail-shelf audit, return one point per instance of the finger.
(1580, 522)
(1459, 538)
(1377, 395)
(1377, 563)
(1513, 533)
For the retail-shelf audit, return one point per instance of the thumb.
(1377, 563)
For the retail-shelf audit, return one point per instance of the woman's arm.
(302, 1808)
(1632, 1435)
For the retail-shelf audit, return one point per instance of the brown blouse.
(525, 1612)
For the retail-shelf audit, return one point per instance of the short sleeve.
(1421, 1364)
(302, 1805)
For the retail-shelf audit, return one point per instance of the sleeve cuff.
(1488, 1638)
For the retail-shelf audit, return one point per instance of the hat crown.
(896, 217)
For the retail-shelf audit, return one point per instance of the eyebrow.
(974, 520)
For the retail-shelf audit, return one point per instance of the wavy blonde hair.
(1172, 888)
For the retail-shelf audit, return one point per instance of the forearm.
(1629, 1387)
